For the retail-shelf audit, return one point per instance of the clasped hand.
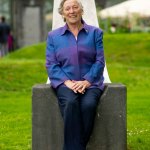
(77, 86)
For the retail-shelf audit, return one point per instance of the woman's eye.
(75, 7)
(66, 9)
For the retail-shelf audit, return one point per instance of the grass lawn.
(128, 62)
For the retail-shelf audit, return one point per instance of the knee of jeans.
(89, 107)
(72, 102)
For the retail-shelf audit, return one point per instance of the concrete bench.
(109, 131)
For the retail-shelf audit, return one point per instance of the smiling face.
(72, 11)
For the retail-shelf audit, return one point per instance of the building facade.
(27, 20)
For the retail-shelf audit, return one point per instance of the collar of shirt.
(65, 28)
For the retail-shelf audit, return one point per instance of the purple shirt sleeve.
(97, 68)
(55, 73)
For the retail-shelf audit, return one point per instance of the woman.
(75, 64)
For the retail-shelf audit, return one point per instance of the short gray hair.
(60, 9)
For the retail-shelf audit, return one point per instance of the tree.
(107, 3)
(101, 3)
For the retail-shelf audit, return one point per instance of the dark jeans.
(78, 112)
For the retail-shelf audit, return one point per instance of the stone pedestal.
(109, 131)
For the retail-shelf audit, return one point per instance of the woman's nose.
(71, 10)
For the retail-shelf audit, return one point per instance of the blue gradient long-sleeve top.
(75, 58)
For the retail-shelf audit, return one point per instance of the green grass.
(15, 127)
(128, 62)
(19, 71)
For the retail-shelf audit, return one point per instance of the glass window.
(5, 9)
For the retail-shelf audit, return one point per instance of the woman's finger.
(82, 90)
(75, 85)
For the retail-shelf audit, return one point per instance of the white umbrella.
(127, 8)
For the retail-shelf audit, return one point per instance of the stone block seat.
(109, 131)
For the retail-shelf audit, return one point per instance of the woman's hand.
(69, 84)
(80, 86)
(77, 86)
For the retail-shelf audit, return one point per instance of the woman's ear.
(63, 18)
(82, 12)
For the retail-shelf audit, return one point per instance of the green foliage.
(121, 25)
(128, 62)
(134, 24)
